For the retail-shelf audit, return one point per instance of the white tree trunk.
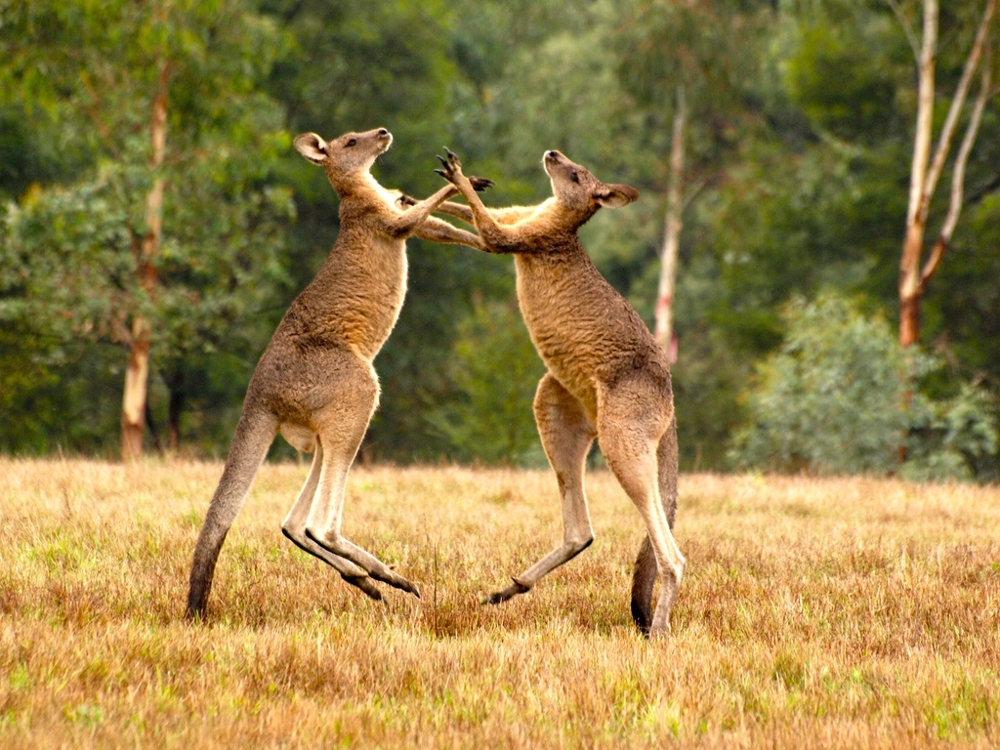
(136, 388)
(924, 173)
(664, 331)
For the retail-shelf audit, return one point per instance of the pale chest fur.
(356, 297)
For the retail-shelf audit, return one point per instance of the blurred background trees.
(798, 139)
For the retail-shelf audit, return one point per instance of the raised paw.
(405, 201)
(479, 184)
(452, 167)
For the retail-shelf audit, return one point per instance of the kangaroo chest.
(356, 297)
(566, 326)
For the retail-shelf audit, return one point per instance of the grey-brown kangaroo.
(607, 378)
(315, 382)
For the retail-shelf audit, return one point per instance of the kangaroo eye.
(575, 177)
(352, 142)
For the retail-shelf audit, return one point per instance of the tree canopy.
(800, 126)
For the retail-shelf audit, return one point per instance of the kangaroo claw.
(479, 184)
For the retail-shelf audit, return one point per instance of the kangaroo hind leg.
(630, 441)
(567, 434)
(645, 571)
(254, 435)
(341, 425)
(294, 528)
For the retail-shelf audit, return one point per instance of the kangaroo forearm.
(437, 230)
(505, 215)
(512, 214)
(457, 210)
(413, 217)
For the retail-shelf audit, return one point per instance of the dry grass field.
(815, 613)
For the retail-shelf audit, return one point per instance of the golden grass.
(816, 613)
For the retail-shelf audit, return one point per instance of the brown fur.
(607, 378)
(315, 382)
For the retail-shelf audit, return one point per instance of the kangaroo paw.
(479, 184)
(452, 167)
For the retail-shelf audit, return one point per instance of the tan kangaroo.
(607, 378)
(315, 382)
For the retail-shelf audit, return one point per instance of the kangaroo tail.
(254, 435)
(643, 579)
(644, 573)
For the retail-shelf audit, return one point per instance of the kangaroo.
(607, 376)
(315, 382)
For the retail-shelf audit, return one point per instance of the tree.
(926, 171)
(496, 370)
(126, 244)
(689, 67)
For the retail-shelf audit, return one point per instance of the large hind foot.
(366, 585)
(351, 573)
(671, 586)
(508, 593)
(375, 568)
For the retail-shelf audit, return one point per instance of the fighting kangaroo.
(315, 382)
(607, 377)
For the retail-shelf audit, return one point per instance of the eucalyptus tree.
(164, 236)
(976, 43)
(689, 67)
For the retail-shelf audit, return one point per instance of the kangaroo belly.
(301, 438)
(355, 299)
(586, 332)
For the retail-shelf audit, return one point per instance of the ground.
(837, 613)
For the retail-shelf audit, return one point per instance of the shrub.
(840, 396)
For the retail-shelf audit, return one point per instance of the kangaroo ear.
(615, 196)
(312, 147)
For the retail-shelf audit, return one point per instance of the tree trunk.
(137, 372)
(909, 269)
(134, 398)
(664, 331)
(924, 174)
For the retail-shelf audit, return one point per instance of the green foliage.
(864, 57)
(799, 147)
(954, 438)
(71, 260)
(496, 370)
(833, 400)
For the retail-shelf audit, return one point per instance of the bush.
(840, 397)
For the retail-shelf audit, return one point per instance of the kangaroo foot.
(508, 593)
(366, 585)
(367, 561)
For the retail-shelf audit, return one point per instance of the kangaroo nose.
(383, 131)
(552, 154)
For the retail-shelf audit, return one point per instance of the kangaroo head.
(345, 158)
(577, 190)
